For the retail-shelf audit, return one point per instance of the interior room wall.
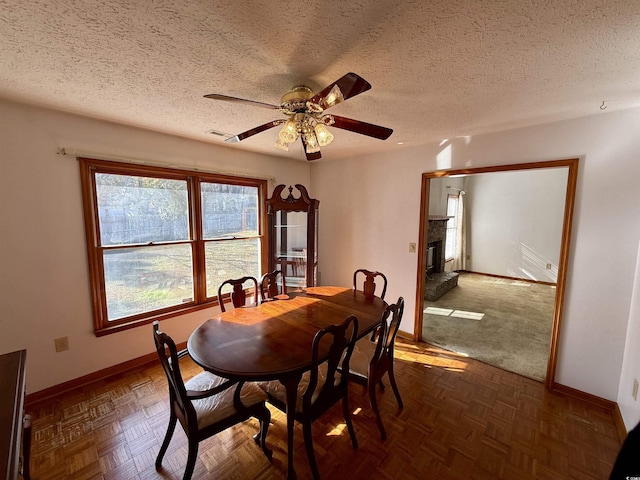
(439, 191)
(370, 209)
(630, 406)
(369, 213)
(44, 287)
(515, 222)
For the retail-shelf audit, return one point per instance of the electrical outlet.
(548, 266)
(412, 248)
(635, 389)
(62, 344)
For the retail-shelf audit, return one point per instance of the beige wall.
(370, 213)
(515, 222)
(44, 289)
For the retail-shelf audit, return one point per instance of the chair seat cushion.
(361, 357)
(220, 406)
(276, 390)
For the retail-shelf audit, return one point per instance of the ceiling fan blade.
(253, 131)
(226, 98)
(362, 128)
(310, 155)
(342, 89)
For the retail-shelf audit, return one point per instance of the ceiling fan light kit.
(306, 119)
(323, 134)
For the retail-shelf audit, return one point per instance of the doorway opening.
(530, 265)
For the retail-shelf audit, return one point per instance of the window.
(452, 226)
(161, 240)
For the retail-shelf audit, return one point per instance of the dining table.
(272, 340)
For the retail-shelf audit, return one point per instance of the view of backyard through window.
(230, 231)
(147, 235)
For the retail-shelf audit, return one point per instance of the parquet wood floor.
(462, 420)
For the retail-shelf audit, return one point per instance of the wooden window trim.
(88, 168)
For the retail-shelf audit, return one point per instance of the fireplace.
(434, 262)
(437, 235)
(438, 282)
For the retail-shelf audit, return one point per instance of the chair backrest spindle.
(238, 293)
(369, 285)
(269, 285)
(340, 353)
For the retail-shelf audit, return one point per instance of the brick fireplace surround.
(438, 282)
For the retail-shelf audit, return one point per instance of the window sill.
(119, 327)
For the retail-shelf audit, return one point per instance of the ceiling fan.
(306, 118)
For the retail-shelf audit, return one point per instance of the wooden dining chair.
(239, 293)
(206, 404)
(272, 284)
(371, 360)
(323, 385)
(369, 285)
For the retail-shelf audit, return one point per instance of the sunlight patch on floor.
(467, 315)
(445, 312)
(448, 312)
(446, 364)
(337, 430)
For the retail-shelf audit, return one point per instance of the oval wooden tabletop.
(274, 338)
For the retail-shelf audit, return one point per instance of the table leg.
(291, 386)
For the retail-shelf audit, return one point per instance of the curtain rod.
(141, 161)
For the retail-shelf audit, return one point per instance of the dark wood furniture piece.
(293, 236)
(322, 386)
(206, 404)
(12, 419)
(371, 360)
(273, 340)
(369, 285)
(627, 464)
(239, 293)
(272, 284)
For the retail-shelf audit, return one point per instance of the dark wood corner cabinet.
(14, 446)
(293, 236)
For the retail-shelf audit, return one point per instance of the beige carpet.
(502, 322)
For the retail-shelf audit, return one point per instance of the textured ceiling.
(438, 69)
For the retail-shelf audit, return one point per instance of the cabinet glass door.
(293, 236)
(291, 247)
